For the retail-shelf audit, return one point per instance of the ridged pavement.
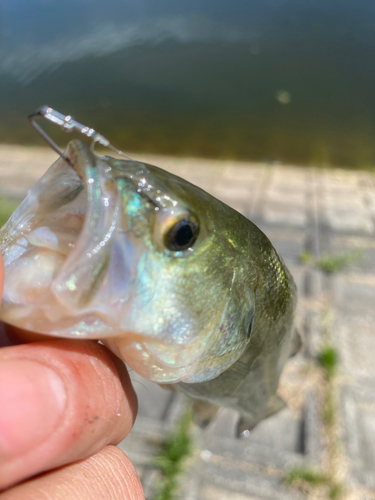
(322, 211)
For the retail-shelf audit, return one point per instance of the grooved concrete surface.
(322, 211)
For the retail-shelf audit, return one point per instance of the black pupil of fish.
(182, 235)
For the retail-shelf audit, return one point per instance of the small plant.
(307, 475)
(331, 264)
(329, 410)
(305, 257)
(336, 491)
(7, 207)
(170, 460)
(306, 479)
(328, 360)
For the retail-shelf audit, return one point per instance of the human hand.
(63, 405)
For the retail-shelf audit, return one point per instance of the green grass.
(329, 410)
(311, 478)
(336, 491)
(170, 460)
(7, 207)
(332, 264)
(305, 257)
(328, 360)
(314, 478)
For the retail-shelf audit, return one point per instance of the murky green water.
(294, 85)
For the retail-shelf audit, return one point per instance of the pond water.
(273, 80)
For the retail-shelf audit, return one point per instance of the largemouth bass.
(187, 291)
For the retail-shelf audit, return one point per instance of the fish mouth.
(62, 248)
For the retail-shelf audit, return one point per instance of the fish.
(187, 291)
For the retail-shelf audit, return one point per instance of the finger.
(108, 475)
(1, 276)
(61, 401)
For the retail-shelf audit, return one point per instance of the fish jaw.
(62, 248)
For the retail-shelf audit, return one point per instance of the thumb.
(1, 275)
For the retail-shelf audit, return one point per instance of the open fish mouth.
(59, 247)
(72, 265)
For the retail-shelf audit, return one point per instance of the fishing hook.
(68, 124)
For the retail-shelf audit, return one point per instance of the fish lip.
(79, 155)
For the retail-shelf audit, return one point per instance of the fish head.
(117, 250)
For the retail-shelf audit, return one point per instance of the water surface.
(275, 80)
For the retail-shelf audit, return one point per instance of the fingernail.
(32, 403)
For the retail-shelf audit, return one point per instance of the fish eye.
(182, 234)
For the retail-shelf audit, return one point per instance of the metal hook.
(68, 124)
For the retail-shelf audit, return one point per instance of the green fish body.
(191, 294)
